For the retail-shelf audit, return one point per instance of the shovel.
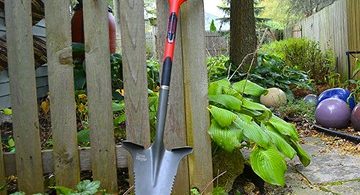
(155, 168)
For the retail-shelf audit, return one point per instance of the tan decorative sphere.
(275, 97)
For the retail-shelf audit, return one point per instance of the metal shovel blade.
(155, 168)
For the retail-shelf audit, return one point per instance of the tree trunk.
(242, 32)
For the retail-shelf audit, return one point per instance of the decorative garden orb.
(275, 97)
(311, 99)
(340, 93)
(333, 113)
(355, 118)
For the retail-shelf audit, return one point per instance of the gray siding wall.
(41, 72)
(41, 86)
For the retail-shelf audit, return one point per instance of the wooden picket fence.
(187, 120)
(336, 27)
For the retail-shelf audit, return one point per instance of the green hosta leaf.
(228, 101)
(254, 108)
(303, 155)
(227, 138)
(249, 104)
(223, 117)
(88, 187)
(218, 86)
(120, 119)
(11, 143)
(280, 143)
(63, 190)
(253, 131)
(269, 164)
(7, 111)
(249, 88)
(117, 107)
(83, 136)
(232, 92)
(153, 101)
(284, 127)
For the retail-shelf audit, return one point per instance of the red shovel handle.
(170, 40)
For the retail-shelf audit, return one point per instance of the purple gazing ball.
(355, 118)
(333, 113)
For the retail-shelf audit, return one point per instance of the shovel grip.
(166, 72)
(170, 41)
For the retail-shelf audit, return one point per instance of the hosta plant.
(238, 121)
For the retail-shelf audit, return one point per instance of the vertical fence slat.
(61, 85)
(196, 96)
(175, 129)
(134, 71)
(23, 96)
(2, 171)
(97, 56)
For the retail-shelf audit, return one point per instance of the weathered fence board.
(48, 160)
(2, 172)
(196, 97)
(97, 57)
(23, 96)
(61, 84)
(175, 127)
(134, 71)
(353, 14)
(335, 27)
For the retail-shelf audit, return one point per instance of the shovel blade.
(155, 176)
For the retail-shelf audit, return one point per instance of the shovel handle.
(170, 40)
(166, 69)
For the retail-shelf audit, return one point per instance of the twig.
(212, 181)
(248, 55)
(129, 190)
(240, 65)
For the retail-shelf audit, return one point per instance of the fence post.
(196, 94)
(175, 128)
(23, 96)
(61, 85)
(98, 73)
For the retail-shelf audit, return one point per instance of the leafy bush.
(153, 70)
(305, 55)
(217, 67)
(116, 73)
(237, 121)
(272, 71)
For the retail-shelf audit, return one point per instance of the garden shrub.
(272, 71)
(304, 54)
(237, 121)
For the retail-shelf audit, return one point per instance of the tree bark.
(243, 38)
